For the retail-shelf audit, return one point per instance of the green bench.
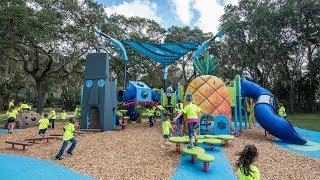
(206, 159)
(212, 142)
(178, 141)
(193, 152)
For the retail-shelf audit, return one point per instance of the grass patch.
(305, 121)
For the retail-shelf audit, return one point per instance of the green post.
(239, 102)
(235, 108)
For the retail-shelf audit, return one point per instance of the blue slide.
(266, 115)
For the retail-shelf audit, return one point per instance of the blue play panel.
(21, 167)
(220, 168)
(5, 131)
(311, 149)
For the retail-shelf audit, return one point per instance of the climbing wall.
(211, 95)
(27, 119)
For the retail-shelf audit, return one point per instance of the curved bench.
(206, 159)
(224, 137)
(212, 142)
(193, 152)
(178, 141)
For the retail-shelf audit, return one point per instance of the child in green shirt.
(11, 119)
(43, 125)
(150, 113)
(282, 111)
(63, 115)
(245, 168)
(77, 112)
(191, 112)
(68, 136)
(166, 127)
(53, 116)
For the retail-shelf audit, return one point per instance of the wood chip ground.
(135, 153)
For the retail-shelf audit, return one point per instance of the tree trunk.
(40, 97)
(291, 97)
(312, 87)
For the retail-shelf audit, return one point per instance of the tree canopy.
(43, 45)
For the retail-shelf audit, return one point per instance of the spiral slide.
(266, 115)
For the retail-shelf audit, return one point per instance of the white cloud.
(210, 12)
(139, 8)
(183, 10)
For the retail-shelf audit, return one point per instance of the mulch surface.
(133, 153)
(274, 162)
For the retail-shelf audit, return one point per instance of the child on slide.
(191, 111)
(245, 168)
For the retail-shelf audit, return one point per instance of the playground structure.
(99, 96)
(105, 107)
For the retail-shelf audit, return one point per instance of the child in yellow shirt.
(11, 119)
(150, 113)
(53, 116)
(191, 112)
(245, 168)
(43, 125)
(166, 127)
(68, 136)
(63, 115)
(282, 111)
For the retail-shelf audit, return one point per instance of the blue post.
(81, 95)
(245, 113)
(88, 119)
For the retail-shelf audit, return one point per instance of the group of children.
(13, 112)
(68, 135)
(245, 168)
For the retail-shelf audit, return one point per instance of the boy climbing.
(68, 136)
(166, 127)
(282, 111)
(168, 93)
(43, 125)
(53, 116)
(11, 118)
(191, 111)
(179, 108)
(25, 106)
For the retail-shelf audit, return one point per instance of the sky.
(204, 14)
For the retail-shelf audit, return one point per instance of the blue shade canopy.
(164, 54)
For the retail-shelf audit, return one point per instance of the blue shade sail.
(164, 54)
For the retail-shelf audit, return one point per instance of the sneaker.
(189, 146)
(162, 146)
(70, 153)
(59, 158)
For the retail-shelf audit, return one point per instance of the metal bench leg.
(193, 159)
(12, 146)
(206, 167)
(47, 140)
(23, 147)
